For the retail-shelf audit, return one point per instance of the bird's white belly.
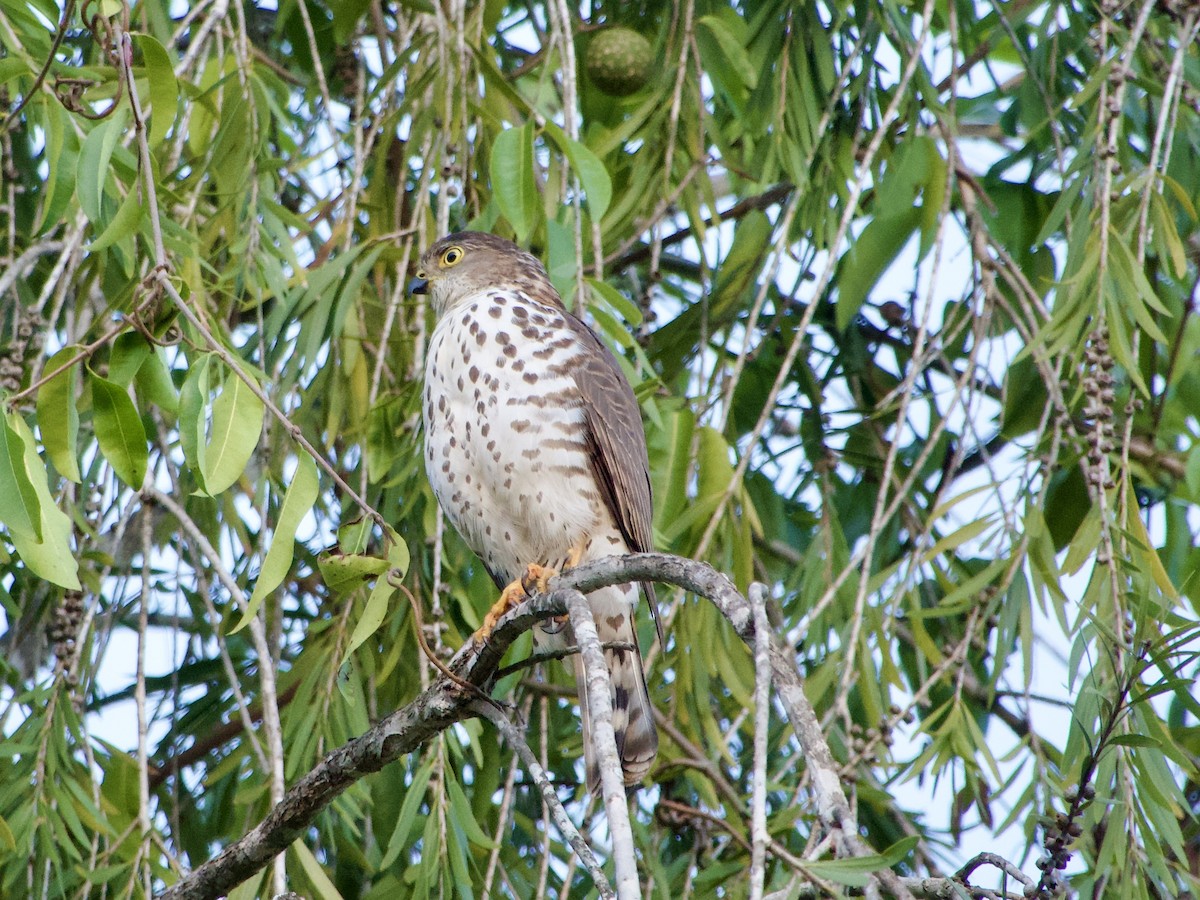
(505, 450)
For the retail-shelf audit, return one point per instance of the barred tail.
(633, 717)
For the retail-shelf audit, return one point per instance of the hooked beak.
(418, 285)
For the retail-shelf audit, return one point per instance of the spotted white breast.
(506, 442)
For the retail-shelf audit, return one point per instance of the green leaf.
(514, 182)
(854, 872)
(58, 414)
(164, 90)
(125, 223)
(6, 836)
(11, 67)
(316, 876)
(50, 558)
(154, 384)
(354, 536)
(618, 301)
(593, 176)
(237, 420)
(464, 816)
(379, 601)
(397, 554)
(732, 49)
(408, 814)
(909, 193)
(299, 499)
(670, 490)
(193, 401)
(342, 572)
(1134, 740)
(119, 431)
(1166, 236)
(62, 154)
(20, 509)
(248, 889)
(1192, 472)
(128, 353)
(94, 156)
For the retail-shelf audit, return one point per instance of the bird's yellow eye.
(452, 256)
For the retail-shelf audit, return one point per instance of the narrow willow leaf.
(92, 173)
(671, 489)
(297, 502)
(869, 257)
(464, 815)
(58, 415)
(413, 796)
(6, 836)
(61, 163)
(20, 509)
(620, 304)
(514, 182)
(193, 401)
(378, 603)
(316, 876)
(1192, 472)
(958, 538)
(1143, 551)
(609, 325)
(355, 535)
(1166, 236)
(119, 431)
(1134, 740)
(248, 889)
(715, 469)
(50, 558)
(732, 49)
(237, 419)
(11, 67)
(126, 222)
(164, 89)
(593, 176)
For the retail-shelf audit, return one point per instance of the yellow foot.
(535, 579)
(574, 555)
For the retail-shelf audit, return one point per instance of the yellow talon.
(509, 597)
(574, 555)
(537, 578)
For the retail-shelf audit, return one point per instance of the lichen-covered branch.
(446, 701)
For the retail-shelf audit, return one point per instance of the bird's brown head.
(461, 265)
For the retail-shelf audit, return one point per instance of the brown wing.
(616, 439)
(617, 446)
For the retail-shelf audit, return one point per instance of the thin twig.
(762, 718)
(516, 741)
(419, 623)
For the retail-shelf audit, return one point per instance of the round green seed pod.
(619, 61)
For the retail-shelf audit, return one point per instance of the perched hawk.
(535, 450)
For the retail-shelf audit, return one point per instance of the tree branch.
(436, 708)
(444, 703)
(600, 709)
